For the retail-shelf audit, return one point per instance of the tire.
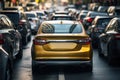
(100, 54)
(34, 67)
(109, 55)
(29, 38)
(20, 53)
(8, 73)
(24, 41)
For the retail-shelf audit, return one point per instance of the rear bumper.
(62, 62)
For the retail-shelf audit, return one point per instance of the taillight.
(81, 21)
(85, 41)
(117, 36)
(1, 39)
(39, 42)
(89, 19)
(21, 22)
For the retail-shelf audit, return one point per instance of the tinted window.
(14, 17)
(40, 14)
(117, 12)
(103, 22)
(30, 15)
(61, 28)
(63, 18)
(4, 23)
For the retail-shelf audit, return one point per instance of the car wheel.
(109, 55)
(8, 73)
(29, 38)
(20, 53)
(34, 67)
(90, 67)
(100, 50)
(25, 40)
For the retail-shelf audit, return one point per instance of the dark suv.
(10, 38)
(21, 23)
(109, 41)
(98, 26)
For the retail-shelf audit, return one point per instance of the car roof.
(61, 22)
(61, 15)
(10, 11)
(104, 17)
(2, 15)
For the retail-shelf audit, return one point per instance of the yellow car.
(61, 43)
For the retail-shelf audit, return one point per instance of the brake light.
(85, 40)
(39, 41)
(81, 21)
(1, 39)
(21, 22)
(117, 36)
(89, 19)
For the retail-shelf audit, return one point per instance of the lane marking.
(61, 77)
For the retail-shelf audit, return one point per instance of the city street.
(101, 70)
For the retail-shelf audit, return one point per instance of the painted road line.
(61, 77)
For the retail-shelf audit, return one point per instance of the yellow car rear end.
(61, 48)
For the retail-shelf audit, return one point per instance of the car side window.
(9, 22)
(118, 26)
(3, 23)
(111, 25)
(115, 25)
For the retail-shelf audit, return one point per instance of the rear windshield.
(14, 17)
(97, 14)
(62, 18)
(40, 14)
(30, 15)
(61, 28)
(117, 12)
(103, 22)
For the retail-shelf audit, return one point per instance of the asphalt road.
(101, 70)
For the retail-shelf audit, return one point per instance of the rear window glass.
(97, 14)
(61, 28)
(82, 16)
(40, 14)
(103, 22)
(117, 12)
(14, 17)
(62, 18)
(30, 15)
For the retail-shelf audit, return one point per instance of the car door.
(15, 36)
(105, 37)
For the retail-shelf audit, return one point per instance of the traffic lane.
(101, 71)
(22, 68)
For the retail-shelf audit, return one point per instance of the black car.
(5, 65)
(21, 23)
(10, 38)
(113, 10)
(87, 21)
(109, 41)
(98, 26)
(102, 8)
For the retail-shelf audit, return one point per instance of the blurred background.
(45, 4)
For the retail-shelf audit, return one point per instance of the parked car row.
(102, 25)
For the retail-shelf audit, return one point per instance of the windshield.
(30, 15)
(61, 28)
